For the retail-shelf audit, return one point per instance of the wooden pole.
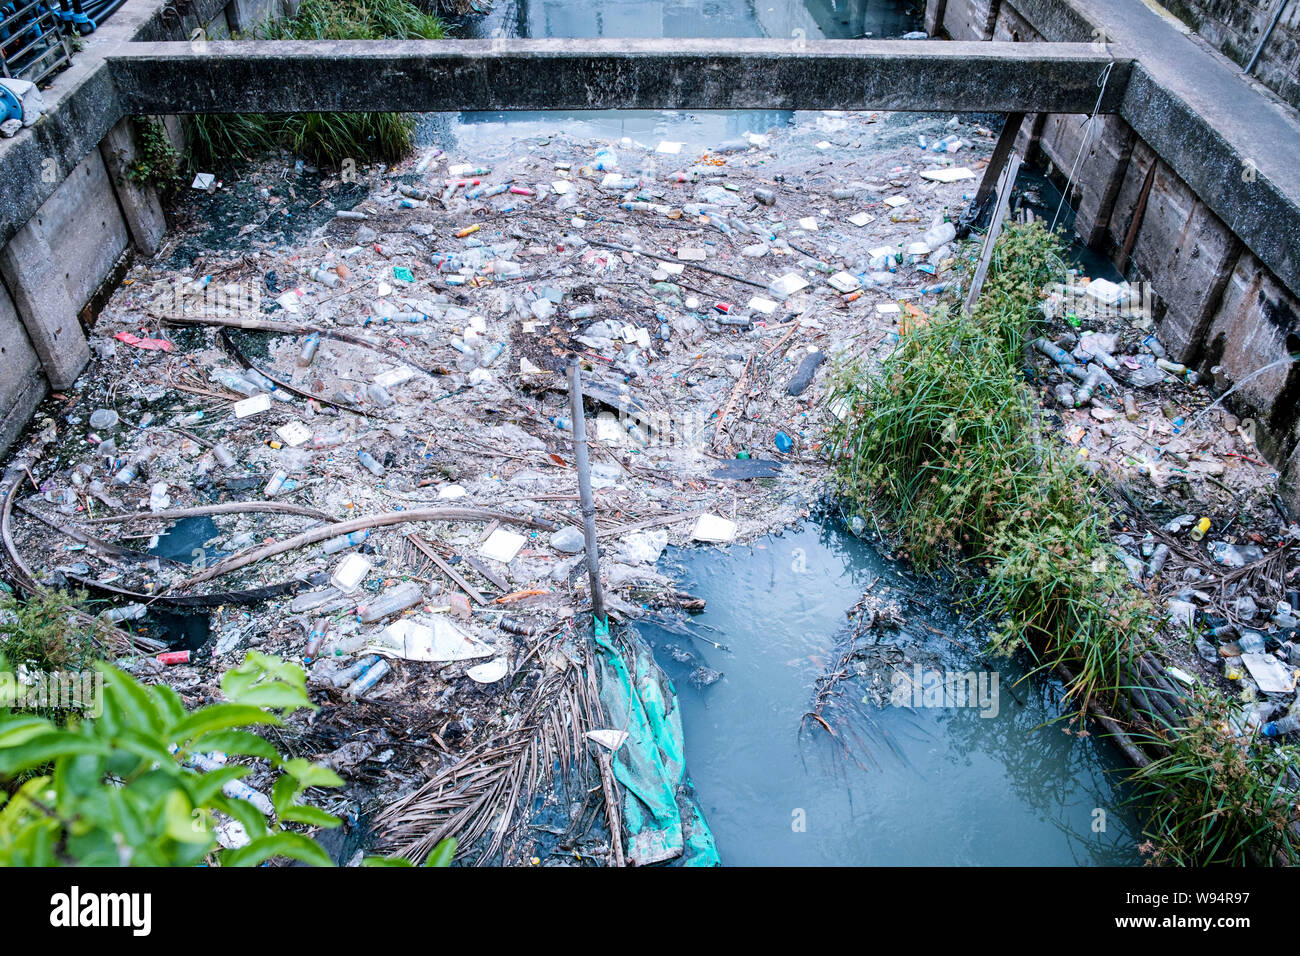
(1001, 153)
(583, 465)
(1005, 185)
(612, 815)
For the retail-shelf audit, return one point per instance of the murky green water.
(946, 785)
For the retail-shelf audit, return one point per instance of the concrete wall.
(1234, 28)
(1215, 303)
(54, 267)
(23, 384)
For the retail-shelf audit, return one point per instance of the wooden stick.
(384, 520)
(444, 567)
(583, 466)
(611, 805)
(1008, 182)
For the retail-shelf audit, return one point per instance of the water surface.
(936, 786)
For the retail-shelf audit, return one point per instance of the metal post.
(1250, 67)
(584, 487)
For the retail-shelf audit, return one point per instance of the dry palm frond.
(488, 786)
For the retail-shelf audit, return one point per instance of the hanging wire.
(1102, 81)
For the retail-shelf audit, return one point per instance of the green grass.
(325, 139)
(42, 634)
(945, 439)
(1215, 800)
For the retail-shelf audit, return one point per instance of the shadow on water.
(950, 785)
(185, 541)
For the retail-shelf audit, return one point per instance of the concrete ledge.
(440, 75)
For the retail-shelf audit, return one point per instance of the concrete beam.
(140, 205)
(438, 75)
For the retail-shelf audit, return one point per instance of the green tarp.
(661, 820)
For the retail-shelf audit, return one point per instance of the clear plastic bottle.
(225, 458)
(349, 674)
(276, 484)
(327, 278)
(397, 598)
(372, 676)
(379, 395)
(335, 545)
(307, 353)
(368, 462)
(237, 383)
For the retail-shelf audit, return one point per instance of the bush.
(1216, 799)
(157, 162)
(944, 437)
(114, 790)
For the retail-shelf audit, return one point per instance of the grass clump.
(42, 633)
(944, 438)
(1217, 800)
(325, 139)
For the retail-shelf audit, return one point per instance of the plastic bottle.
(316, 637)
(563, 424)
(1276, 728)
(397, 598)
(127, 474)
(335, 545)
(349, 674)
(368, 462)
(132, 612)
(492, 353)
(320, 275)
(379, 395)
(237, 383)
(1158, 558)
(260, 380)
(308, 352)
(1054, 352)
(373, 675)
(274, 486)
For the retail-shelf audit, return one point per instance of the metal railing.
(35, 35)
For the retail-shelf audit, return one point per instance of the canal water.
(909, 785)
(996, 781)
(811, 19)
